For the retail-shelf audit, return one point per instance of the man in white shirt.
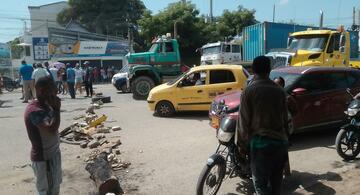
(39, 72)
(54, 73)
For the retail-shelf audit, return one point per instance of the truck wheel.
(164, 109)
(141, 87)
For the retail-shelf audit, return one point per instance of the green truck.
(148, 69)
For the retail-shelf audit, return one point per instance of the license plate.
(215, 121)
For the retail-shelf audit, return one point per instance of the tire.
(124, 89)
(206, 178)
(60, 88)
(350, 140)
(104, 99)
(141, 87)
(9, 87)
(164, 109)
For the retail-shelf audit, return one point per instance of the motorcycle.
(227, 160)
(348, 138)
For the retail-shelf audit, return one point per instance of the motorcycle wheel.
(210, 179)
(9, 87)
(347, 144)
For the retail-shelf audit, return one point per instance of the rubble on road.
(91, 132)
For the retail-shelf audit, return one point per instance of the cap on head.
(261, 65)
(86, 63)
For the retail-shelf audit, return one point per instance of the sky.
(336, 12)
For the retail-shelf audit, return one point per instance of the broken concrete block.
(93, 144)
(83, 144)
(103, 130)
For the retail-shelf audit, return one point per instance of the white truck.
(221, 53)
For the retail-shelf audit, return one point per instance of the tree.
(103, 16)
(232, 23)
(16, 51)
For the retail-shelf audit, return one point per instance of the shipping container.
(260, 38)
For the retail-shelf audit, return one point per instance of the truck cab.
(220, 53)
(314, 48)
(148, 69)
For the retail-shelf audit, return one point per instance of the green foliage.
(16, 51)
(192, 29)
(103, 16)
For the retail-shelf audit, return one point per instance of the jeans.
(89, 88)
(71, 86)
(267, 166)
(48, 175)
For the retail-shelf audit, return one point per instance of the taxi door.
(193, 94)
(221, 81)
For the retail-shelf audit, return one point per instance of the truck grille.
(278, 62)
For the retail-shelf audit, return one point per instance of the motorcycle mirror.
(222, 102)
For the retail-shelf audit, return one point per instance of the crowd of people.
(68, 79)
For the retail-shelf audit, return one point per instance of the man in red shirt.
(42, 120)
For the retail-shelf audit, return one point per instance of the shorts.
(78, 80)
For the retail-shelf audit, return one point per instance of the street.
(166, 154)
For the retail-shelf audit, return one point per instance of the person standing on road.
(70, 72)
(263, 126)
(42, 121)
(54, 74)
(64, 80)
(79, 73)
(28, 83)
(46, 64)
(39, 72)
(89, 79)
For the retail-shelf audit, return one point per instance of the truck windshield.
(153, 48)
(308, 42)
(211, 50)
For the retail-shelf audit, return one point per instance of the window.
(194, 79)
(353, 79)
(315, 82)
(169, 47)
(226, 48)
(27, 51)
(334, 43)
(235, 48)
(221, 76)
(338, 80)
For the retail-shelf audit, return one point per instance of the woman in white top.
(79, 73)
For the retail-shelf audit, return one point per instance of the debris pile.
(91, 132)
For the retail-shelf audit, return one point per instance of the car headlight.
(352, 111)
(224, 136)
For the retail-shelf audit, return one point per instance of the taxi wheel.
(164, 109)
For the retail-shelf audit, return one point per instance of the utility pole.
(274, 13)
(354, 13)
(321, 19)
(211, 11)
(183, 1)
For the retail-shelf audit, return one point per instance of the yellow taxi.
(196, 89)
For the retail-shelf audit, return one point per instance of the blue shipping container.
(260, 38)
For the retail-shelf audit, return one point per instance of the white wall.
(45, 16)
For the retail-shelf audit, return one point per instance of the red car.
(319, 92)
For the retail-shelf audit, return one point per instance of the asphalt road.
(167, 154)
